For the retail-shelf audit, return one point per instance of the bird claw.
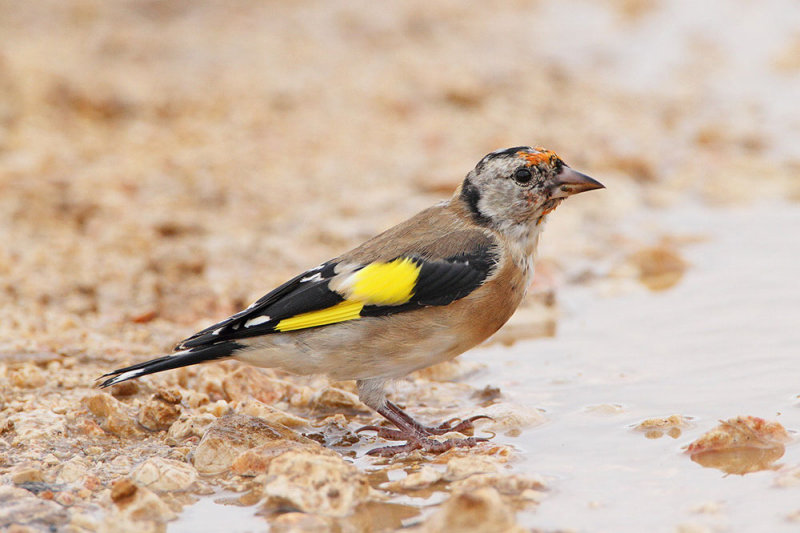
(384, 432)
(427, 445)
(460, 427)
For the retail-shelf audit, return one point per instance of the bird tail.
(188, 357)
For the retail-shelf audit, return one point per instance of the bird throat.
(548, 207)
(522, 241)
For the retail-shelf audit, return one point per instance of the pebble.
(135, 509)
(297, 522)
(72, 471)
(788, 477)
(421, 479)
(655, 428)
(334, 431)
(463, 467)
(50, 460)
(161, 474)
(509, 485)
(28, 376)
(188, 426)
(218, 408)
(322, 484)
(65, 498)
(195, 399)
(230, 435)
(271, 414)
(478, 511)
(122, 461)
(508, 416)
(249, 382)
(90, 428)
(659, 268)
(80, 522)
(157, 414)
(27, 474)
(122, 489)
(335, 399)
(741, 432)
(126, 388)
(113, 414)
(34, 424)
(257, 460)
(22, 508)
(171, 395)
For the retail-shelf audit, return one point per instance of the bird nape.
(417, 294)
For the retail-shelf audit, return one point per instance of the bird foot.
(417, 436)
(456, 425)
(425, 444)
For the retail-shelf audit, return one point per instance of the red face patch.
(541, 156)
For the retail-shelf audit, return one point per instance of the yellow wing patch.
(389, 283)
(340, 312)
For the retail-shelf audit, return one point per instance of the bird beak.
(569, 182)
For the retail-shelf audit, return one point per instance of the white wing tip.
(124, 376)
(256, 321)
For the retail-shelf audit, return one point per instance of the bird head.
(519, 186)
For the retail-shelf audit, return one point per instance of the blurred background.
(164, 163)
(169, 161)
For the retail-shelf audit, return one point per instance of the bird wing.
(342, 290)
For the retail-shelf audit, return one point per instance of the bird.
(420, 293)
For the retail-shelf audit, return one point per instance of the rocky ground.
(163, 164)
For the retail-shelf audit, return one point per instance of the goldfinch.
(415, 295)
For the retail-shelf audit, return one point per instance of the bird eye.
(523, 176)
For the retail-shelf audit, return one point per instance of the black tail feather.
(168, 362)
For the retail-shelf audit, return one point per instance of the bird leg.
(418, 436)
(392, 412)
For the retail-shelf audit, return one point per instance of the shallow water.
(722, 343)
(208, 515)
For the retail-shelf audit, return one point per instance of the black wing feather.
(440, 282)
(293, 297)
(444, 281)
